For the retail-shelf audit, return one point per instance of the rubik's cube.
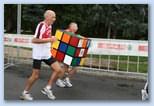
(70, 48)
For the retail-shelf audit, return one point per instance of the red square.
(74, 41)
(77, 52)
(85, 52)
(60, 56)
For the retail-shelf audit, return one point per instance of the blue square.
(88, 43)
(78, 61)
(62, 47)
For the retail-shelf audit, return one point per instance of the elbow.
(33, 40)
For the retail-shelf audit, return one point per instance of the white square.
(80, 43)
(68, 60)
(81, 53)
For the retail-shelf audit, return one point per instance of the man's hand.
(53, 39)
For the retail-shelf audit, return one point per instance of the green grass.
(143, 62)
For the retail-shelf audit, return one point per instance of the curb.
(115, 74)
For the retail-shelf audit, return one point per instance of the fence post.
(90, 61)
(138, 63)
(128, 64)
(99, 62)
(118, 63)
(109, 62)
(18, 26)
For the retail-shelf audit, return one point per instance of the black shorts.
(37, 63)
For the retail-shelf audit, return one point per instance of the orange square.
(84, 43)
(53, 52)
(66, 38)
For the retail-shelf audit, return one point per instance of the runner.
(69, 70)
(41, 52)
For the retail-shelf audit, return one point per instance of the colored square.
(60, 56)
(70, 50)
(68, 60)
(77, 52)
(82, 61)
(55, 44)
(75, 61)
(53, 52)
(78, 61)
(66, 38)
(85, 52)
(81, 52)
(74, 41)
(88, 43)
(84, 43)
(80, 43)
(63, 47)
(58, 34)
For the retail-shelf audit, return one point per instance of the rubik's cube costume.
(70, 48)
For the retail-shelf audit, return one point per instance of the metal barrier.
(18, 55)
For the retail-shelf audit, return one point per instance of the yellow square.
(82, 61)
(56, 44)
(59, 34)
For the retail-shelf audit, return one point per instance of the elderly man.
(69, 71)
(41, 52)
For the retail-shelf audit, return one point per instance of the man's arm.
(45, 40)
(37, 40)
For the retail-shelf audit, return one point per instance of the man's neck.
(47, 23)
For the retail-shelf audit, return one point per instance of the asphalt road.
(85, 87)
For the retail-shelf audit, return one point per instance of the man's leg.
(57, 72)
(68, 74)
(60, 82)
(71, 72)
(31, 80)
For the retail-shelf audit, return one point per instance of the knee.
(58, 70)
(36, 77)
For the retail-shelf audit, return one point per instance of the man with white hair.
(41, 52)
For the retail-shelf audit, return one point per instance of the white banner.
(98, 46)
(18, 40)
(119, 47)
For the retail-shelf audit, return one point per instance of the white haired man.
(41, 52)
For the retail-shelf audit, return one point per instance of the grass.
(132, 66)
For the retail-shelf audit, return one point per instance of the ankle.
(25, 91)
(48, 87)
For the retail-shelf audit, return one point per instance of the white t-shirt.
(42, 50)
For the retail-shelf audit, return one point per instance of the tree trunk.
(109, 31)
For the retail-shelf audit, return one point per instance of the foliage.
(119, 21)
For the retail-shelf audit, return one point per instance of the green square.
(70, 50)
(74, 62)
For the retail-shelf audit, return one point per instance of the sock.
(48, 87)
(24, 92)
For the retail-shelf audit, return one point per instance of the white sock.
(48, 87)
(24, 92)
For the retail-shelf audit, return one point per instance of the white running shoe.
(60, 83)
(26, 96)
(67, 82)
(144, 94)
(49, 93)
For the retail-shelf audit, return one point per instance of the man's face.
(74, 28)
(51, 18)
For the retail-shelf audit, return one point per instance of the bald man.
(41, 53)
